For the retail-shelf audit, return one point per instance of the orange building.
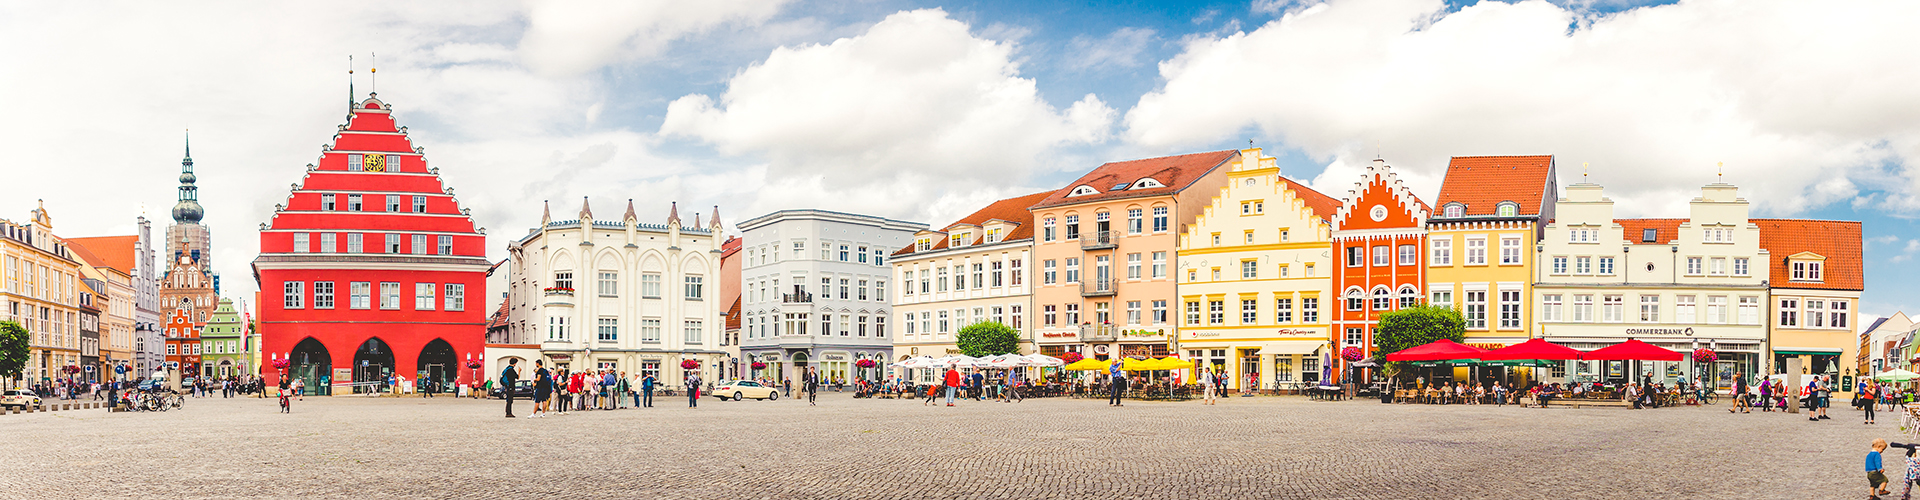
(1106, 248)
(1379, 241)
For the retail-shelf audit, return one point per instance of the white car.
(742, 389)
(19, 398)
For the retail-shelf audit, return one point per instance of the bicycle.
(286, 403)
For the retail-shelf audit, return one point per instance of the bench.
(1589, 403)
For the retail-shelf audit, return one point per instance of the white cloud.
(567, 37)
(1653, 97)
(916, 108)
(1913, 247)
(1123, 47)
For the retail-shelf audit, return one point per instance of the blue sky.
(927, 110)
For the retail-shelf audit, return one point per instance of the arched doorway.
(226, 368)
(438, 363)
(799, 368)
(311, 364)
(371, 365)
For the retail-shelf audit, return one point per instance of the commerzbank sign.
(1660, 331)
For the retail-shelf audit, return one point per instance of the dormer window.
(1717, 235)
(1806, 267)
(958, 240)
(1649, 235)
(1147, 183)
(1507, 209)
(1455, 210)
(993, 235)
(1083, 191)
(919, 245)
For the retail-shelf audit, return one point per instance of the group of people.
(556, 392)
(1004, 387)
(1772, 394)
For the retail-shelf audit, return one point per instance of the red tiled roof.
(1838, 241)
(85, 256)
(1633, 229)
(1174, 172)
(729, 247)
(115, 251)
(499, 317)
(733, 315)
(1323, 206)
(1482, 182)
(1011, 210)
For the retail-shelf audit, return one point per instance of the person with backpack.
(693, 390)
(646, 391)
(508, 376)
(1117, 382)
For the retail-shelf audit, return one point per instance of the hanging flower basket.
(689, 364)
(1704, 355)
(759, 366)
(281, 363)
(864, 363)
(1352, 354)
(473, 365)
(1071, 357)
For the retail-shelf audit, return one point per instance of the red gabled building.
(1379, 243)
(371, 268)
(183, 343)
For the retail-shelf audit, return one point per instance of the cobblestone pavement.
(1268, 447)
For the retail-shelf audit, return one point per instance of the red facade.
(183, 336)
(1379, 242)
(371, 268)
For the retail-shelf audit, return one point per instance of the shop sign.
(955, 351)
(1293, 331)
(1057, 334)
(1100, 349)
(833, 357)
(1660, 331)
(1204, 334)
(560, 357)
(1142, 333)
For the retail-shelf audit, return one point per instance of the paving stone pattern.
(1267, 447)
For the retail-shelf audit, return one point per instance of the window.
(694, 328)
(1582, 308)
(420, 244)
(1717, 309)
(1310, 310)
(1283, 271)
(862, 295)
(979, 275)
(650, 330)
(354, 243)
(295, 293)
(1381, 257)
(696, 287)
(1133, 221)
(1649, 308)
(423, 296)
(799, 249)
(1216, 312)
(1510, 303)
(1017, 272)
(1249, 312)
(456, 297)
(1382, 299)
(1684, 310)
(329, 243)
(879, 259)
(1159, 264)
(446, 245)
(1816, 313)
(1476, 251)
(1249, 269)
(1837, 314)
(393, 243)
(420, 204)
(1047, 229)
(393, 203)
(1718, 266)
(1354, 337)
(323, 295)
(1252, 208)
(1507, 210)
(353, 203)
(1408, 254)
(1740, 266)
(389, 295)
(862, 252)
(1475, 310)
(1047, 315)
(1550, 308)
(563, 280)
(1442, 298)
(1355, 301)
(1159, 219)
(1613, 308)
(843, 253)
(1047, 272)
(880, 323)
(1583, 235)
(1606, 266)
(1282, 311)
(1073, 227)
(1409, 297)
(1510, 251)
(845, 285)
(326, 202)
(1442, 251)
(1133, 312)
(650, 285)
(997, 271)
(360, 295)
(1583, 265)
(608, 284)
(1073, 270)
(1559, 264)
(300, 243)
(1789, 312)
(1193, 312)
(1454, 211)
(1693, 265)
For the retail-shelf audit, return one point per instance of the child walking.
(1876, 473)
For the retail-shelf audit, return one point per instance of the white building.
(814, 292)
(626, 295)
(1681, 284)
(974, 270)
(1881, 342)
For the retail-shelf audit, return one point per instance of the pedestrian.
(300, 389)
(1499, 394)
(1206, 386)
(952, 382)
(1117, 379)
(1867, 393)
(979, 383)
(542, 388)
(1876, 472)
(508, 376)
(646, 390)
(622, 389)
(811, 382)
(693, 390)
(1740, 395)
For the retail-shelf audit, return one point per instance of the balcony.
(1097, 240)
(1098, 288)
(559, 292)
(1096, 333)
(796, 298)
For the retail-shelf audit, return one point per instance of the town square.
(905, 248)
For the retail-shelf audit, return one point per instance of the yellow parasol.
(1088, 364)
(1172, 363)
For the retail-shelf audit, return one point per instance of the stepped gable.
(370, 153)
(1379, 175)
(1323, 206)
(1666, 230)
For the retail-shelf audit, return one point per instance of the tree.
(1417, 326)
(13, 349)
(988, 339)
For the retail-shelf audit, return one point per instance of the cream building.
(977, 269)
(41, 292)
(1260, 259)
(1816, 276)
(1681, 284)
(626, 295)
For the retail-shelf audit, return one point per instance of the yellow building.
(1255, 279)
(1489, 216)
(40, 291)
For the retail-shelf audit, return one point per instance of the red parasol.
(1439, 350)
(1632, 350)
(1533, 349)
